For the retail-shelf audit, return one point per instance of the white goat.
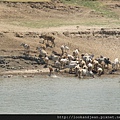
(57, 65)
(84, 72)
(82, 62)
(116, 64)
(64, 62)
(64, 49)
(26, 46)
(76, 53)
(87, 58)
(43, 53)
(77, 67)
(95, 64)
(54, 57)
(72, 65)
(46, 60)
(90, 66)
(99, 71)
(70, 57)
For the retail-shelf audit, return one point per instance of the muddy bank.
(45, 72)
(13, 59)
(38, 68)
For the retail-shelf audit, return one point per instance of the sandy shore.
(18, 72)
(45, 71)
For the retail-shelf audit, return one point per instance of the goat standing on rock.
(26, 47)
(43, 53)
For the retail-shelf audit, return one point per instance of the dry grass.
(22, 17)
(43, 17)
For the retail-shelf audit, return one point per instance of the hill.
(92, 26)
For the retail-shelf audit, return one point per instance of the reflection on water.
(57, 94)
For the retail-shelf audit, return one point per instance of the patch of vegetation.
(94, 5)
(42, 23)
(58, 23)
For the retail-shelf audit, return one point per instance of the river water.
(58, 94)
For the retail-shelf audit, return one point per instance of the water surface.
(44, 94)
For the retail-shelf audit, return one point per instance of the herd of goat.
(79, 64)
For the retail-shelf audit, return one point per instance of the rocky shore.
(15, 62)
(16, 29)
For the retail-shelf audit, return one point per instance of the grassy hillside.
(29, 18)
(77, 12)
(97, 5)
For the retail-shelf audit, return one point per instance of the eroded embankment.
(13, 58)
(90, 32)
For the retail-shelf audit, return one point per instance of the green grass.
(57, 23)
(94, 5)
(43, 23)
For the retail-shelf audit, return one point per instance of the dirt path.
(70, 28)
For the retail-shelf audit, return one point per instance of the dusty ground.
(101, 39)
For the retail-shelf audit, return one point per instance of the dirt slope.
(27, 18)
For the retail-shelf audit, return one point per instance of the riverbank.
(43, 72)
(97, 41)
(44, 94)
(100, 37)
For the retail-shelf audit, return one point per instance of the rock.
(9, 76)
(19, 35)
(1, 35)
